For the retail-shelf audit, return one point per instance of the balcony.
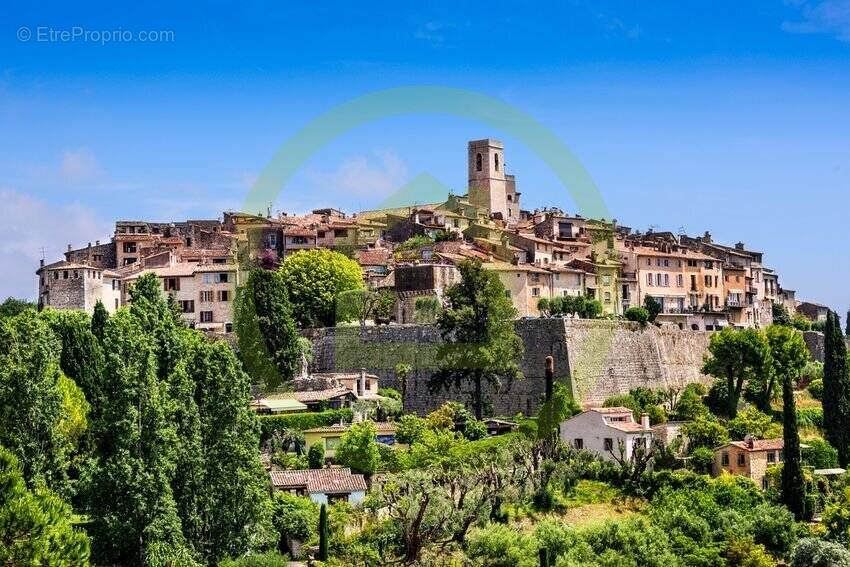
(752, 289)
(734, 303)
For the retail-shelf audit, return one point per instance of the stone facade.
(596, 359)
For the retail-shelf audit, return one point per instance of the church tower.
(489, 187)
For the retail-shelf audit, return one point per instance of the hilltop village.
(413, 251)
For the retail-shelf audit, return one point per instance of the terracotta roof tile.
(326, 481)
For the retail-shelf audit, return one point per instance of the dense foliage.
(480, 344)
(314, 279)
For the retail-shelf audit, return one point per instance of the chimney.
(706, 237)
(42, 262)
(361, 383)
(69, 248)
(644, 421)
(739, 246)
(89, 245)
(97, 242)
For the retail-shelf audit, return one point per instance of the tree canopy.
(480, 344)
(314, 279)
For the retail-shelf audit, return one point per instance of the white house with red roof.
(607, 431)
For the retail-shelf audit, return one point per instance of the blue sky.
(731, 117)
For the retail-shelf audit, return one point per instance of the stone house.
(750, 458)
(813, 311)
(322, 486)
(606, 432)
(69, 285)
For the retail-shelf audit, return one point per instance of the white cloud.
(79, 165)
(375, 175)
(827, 16)
(26, 225)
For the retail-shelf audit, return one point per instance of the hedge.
(301, 421)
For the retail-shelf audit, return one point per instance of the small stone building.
(750, 458)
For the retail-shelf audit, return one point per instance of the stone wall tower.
(489, 187)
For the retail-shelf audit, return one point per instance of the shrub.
(751, 421)
(637, 314)
(409, 429)
(316, 456)
(262, 560)
(816, 388)
(810, 417)
(811, 552)
(497, 545)
(701, 459)
(820, 454)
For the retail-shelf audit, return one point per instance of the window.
(228, 327)
(221, 277)
(578, 444)
(187, 306)
(340, 233)
(666, 280)
(692, 263)
(658, 262)
(129, 247)
(272, 240)
(707, 281)
(680, 281)
(709, 265)
(609, 444)
(76, 275)
(206, 296)
(535, 292)
(724, 459)
(606, 280)
(172, 284)
(648, 279)
(455, 223)
(639, 443)
(649, 261)
(224, 295)
(206, 317)
(666, 262)
(508, 293)
(496, 156)
(771, 457)
(478, 162)
(64, 274)
(607, 297)
(741, 459)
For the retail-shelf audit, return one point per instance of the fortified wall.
(595, 359)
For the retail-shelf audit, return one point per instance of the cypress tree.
(847, 324)
(788, 357)
(323, 533)
(98, 320)
(836, 390)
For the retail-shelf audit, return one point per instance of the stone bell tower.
(489, 187)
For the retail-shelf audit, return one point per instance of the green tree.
(705, 432)
(295, 519)
(736, 355)
(652, 306)
(81, 358)
(780, 315)
(35, 527)
(836, 390)
(314, 279)
(226, 510)
(31, 401)
(358, 449)
(128, 485)
(324, 534)
(98, 320)
(402, 372)
(480, 343)
(316, 456)
(265, 329)
(12, 307)
(637, 314)
(788, 357)
(847, 324)
(426, 310)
